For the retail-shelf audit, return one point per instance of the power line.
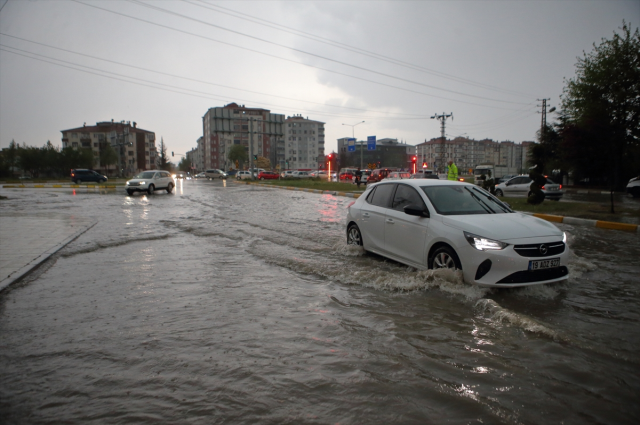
(293, 61)
(299, 33)
(191, 79)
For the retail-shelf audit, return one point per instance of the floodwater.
(232, 304)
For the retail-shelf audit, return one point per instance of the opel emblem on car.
(543, 249)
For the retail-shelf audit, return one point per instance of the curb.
(592, 223)
(33, 264)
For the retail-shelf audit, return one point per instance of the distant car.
(346, 176)
(633, 187)
(80, 175)
(286, 173)
(320, 174)
(214, 173)
(505, 178)
(200, 176)
(520, 186)
(398, 175)
(232, 172)
(268, 175)
(424, 176)
(380, 174)
(243, 175)
(180, 176)
(150, 181)
(430, 224)
(365, 176)
(300, 174)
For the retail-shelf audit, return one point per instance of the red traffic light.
(414, 159)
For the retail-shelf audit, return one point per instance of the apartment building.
(468, 153)
(303, 143)
(135, 147)
(258, 130)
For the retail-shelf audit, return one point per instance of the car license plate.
(544, 264)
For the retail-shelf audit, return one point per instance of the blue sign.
(371, 143)
(351, 145)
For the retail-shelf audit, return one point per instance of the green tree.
(108, 155)
(31, 160)
(184, 164)
(600, 115)
(11, 157)
(51, 157)
(263, 162)
(238, 153)
(163, 160)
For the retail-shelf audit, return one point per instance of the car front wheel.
(151, 189)
(130, 192)
(170, 188)
(445, 258)
(354, 237)
(499, 193)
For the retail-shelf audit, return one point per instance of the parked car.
(399, 175)
(150, 181)
(215, 173)
(380, 174)
(268, 175)
(80, 175)
(286, 173)
(424, 176)
(431, 224)
(506, 178)
(200, 176)
(633, 187)
(243, 175)
(520, 186)
(364, 178)
(300, 174)
(319, 174)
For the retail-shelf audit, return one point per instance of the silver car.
(520, 186)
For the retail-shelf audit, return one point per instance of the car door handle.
(390, 221)
(365, 214)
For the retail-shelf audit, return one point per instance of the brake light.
(560, 186)
(542, 187)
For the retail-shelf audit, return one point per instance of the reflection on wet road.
(229, 303)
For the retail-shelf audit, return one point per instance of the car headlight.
(564, 237)
(483, 244)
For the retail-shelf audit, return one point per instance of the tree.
(600, 118)
(11, 157)
(163, 161)
(108, 155)
(263, 162)
(238, 153)
(184, 164)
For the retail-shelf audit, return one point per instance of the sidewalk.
(30, 239)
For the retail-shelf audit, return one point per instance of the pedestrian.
(358, 177)
(452, 171)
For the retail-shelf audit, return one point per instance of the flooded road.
(235, 304)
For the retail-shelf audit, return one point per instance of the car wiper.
(502, 206)
(482, 204)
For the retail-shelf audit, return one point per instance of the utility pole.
(543, 123)
(353, 135)
(442, 118)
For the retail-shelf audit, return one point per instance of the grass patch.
(590, 210)
(318, 184)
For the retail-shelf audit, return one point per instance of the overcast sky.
(392, 64)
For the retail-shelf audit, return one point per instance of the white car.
(519, 186)
(150, 181)
(633, 187)
(300, 174)
(243, 175)
(430, 224)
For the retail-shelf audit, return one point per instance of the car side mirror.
(417, 211)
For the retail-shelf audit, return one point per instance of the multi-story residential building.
(135, 147)
(388, 153)
(303, 143)
(467, 153)
(258, 130)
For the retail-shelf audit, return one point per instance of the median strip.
(593, 223)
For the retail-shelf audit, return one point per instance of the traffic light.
(414, 159)
(255, 157)
(171, 153)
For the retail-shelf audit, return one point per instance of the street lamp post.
(353, 136)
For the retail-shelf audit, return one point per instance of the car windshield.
(464, 200)
(145, 175)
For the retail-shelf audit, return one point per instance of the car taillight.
(560, 186)
(542, 187)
